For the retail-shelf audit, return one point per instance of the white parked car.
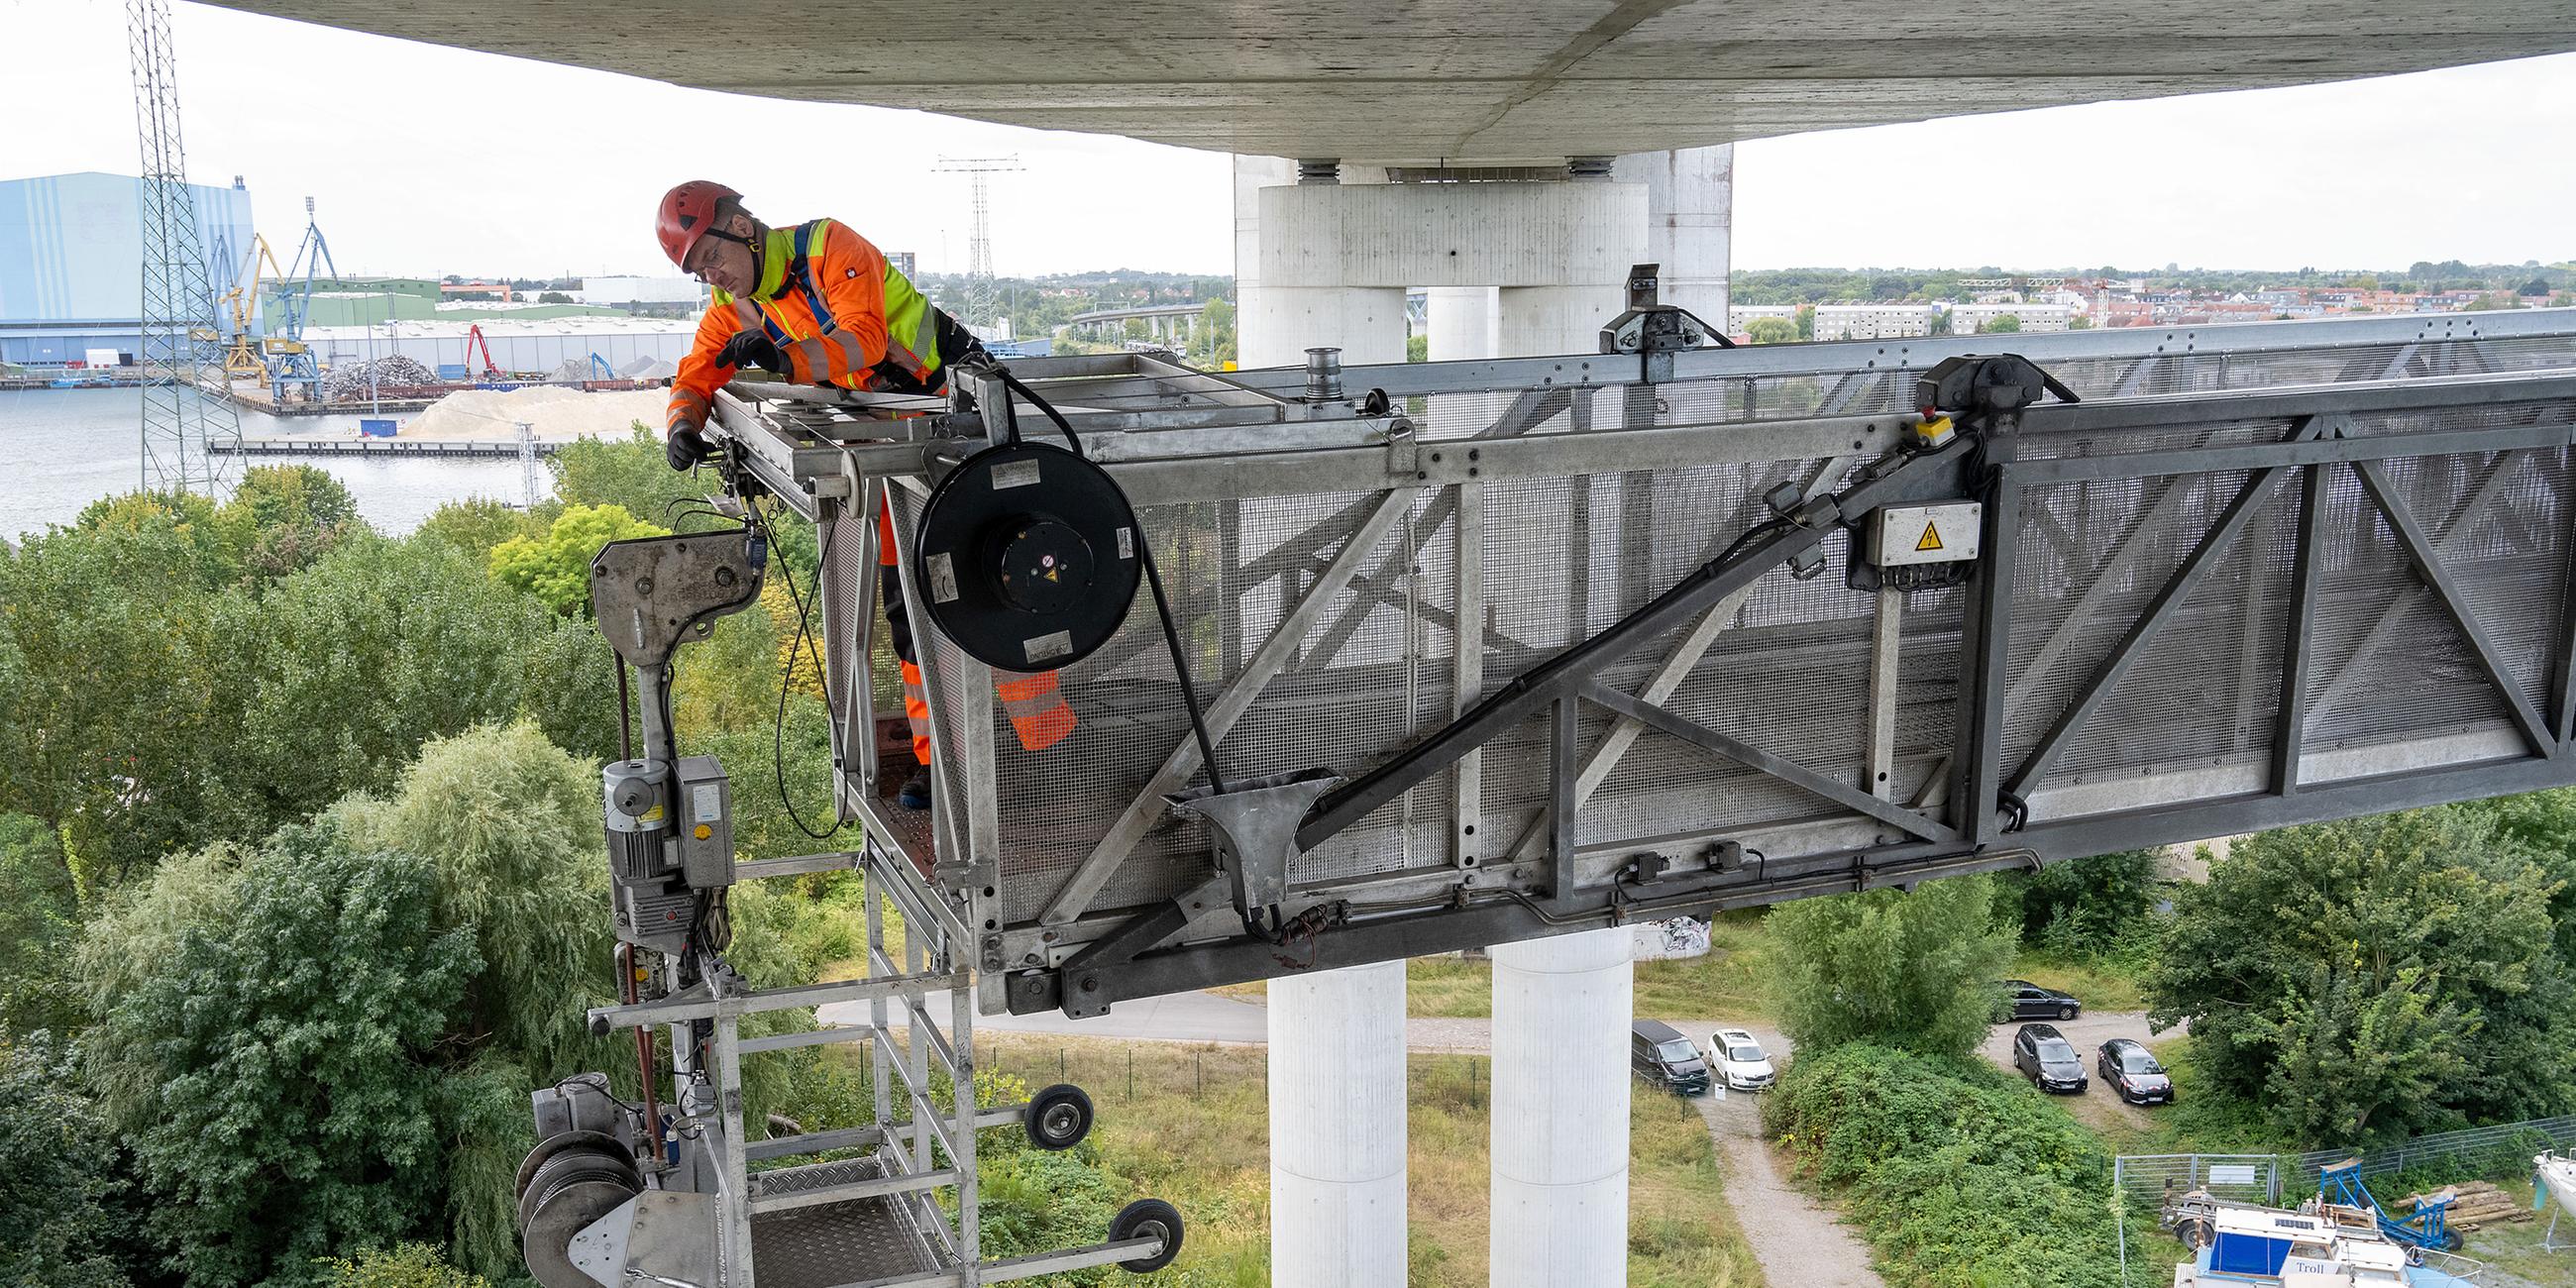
(1741, 1063)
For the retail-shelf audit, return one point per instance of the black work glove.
(752, 349)
(685, 448)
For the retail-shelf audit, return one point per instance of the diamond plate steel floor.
(838, 1243)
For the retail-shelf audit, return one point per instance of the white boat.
(2318, 1246)
(2556, 1173)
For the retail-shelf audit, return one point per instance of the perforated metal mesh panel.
(1370, 667)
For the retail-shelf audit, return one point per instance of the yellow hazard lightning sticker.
(1931, 538)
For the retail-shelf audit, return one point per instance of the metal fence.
(2263, 1178)
(2472, 1145)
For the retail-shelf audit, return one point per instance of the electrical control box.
(1901, 536)
(702, 805)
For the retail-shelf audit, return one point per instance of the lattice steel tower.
(982, 300)
(182, 345)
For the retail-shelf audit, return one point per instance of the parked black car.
(2131, 1072)
(2024, 1000)
(2044, 1054)
(1662, 1056)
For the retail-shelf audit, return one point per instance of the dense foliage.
(312, 994)
(556, 567)
(1909, 969)
(69, 1221)
(299, 839)
(1963, 1178)
(2371, 978)
(163, 695)
(2098, 909)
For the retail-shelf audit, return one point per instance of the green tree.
(1771, 331)
(288, 1043)
(2086, 908)
(214, 546)
(1806, 321)
(1417, 347)
(630, 472)
(2000, 324)
(68, 1222)
(475, 526)
(2374, 977)
(106, 671)
(509, 824)
(39, 923)
(283, 517)
(405, 1265)
(2080, 322)
(335, 677)
(1909, 969)
(556, 568)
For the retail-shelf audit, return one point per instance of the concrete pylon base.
(1560, 1114)
(1337, 1128)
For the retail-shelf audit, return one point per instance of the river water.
(64, 448)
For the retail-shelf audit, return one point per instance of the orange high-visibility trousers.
(916, 711)
(1037, 710)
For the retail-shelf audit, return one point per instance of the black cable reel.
(1028, 556)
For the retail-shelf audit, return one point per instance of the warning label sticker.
(1924, 534)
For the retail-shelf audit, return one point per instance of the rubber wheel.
(2453, 1240)
(1148, 1217)
(1058, 1117)
(2193, 1233)
(2066, 1012)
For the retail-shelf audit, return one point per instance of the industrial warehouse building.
(71, 261)
(517, 345)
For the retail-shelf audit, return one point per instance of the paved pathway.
(1800, 1242)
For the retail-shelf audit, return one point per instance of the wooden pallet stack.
(2479, 1204)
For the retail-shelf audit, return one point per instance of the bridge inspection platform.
(1495, 653)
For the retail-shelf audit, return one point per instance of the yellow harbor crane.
(242, 352)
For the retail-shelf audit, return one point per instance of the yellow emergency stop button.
(703, 832)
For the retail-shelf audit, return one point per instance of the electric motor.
(637, 794)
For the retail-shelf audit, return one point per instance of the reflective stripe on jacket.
(838, 312)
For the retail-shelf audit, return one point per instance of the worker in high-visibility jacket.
(819, 304)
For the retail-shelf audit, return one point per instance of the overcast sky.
(428, 160)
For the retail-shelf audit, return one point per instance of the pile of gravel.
(358, 379)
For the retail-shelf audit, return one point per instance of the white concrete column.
(1337, 1199)
(1463, 321)
(1560, 1113)
(1251, 175)
(1690, 222)
(1535, 321)
(1365, 322)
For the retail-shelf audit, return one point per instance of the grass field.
(1191, 1124)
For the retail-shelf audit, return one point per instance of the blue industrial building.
(71, 261)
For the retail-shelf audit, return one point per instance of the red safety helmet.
(688, 212)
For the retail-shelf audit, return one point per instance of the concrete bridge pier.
(1324, 255)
